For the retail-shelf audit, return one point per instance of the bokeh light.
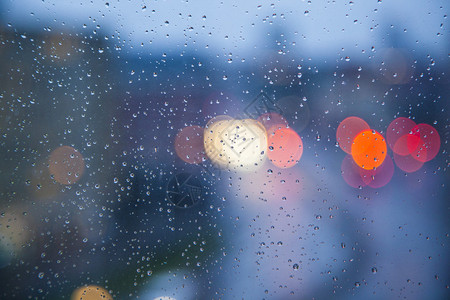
(351, 172)
(397, 135)
(369, 149)
(412, 146)
(235, 144)
(66, 165)
(407, 144)
(379, 176)
(211, 142)
(407, 163)
(285, 148)
(189, 145)
(91, 292)
(347, 130)
(429, 144)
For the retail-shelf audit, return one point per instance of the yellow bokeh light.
(91, 292)
(235, 144)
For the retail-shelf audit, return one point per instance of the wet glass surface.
(224, 150)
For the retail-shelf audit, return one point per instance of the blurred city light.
(66, 165)
(369, 149)
(285, 148)
(236, 144)
(224, 150)
(91, 292)
(189, 144)
(347, 131)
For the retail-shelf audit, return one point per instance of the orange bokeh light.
(285, 148)
(369, 149)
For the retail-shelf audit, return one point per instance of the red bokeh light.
(348, 129)
(189, 145)
(428, 142)
(407, 163)
(285, 148)
(379, 176)
(351, 172)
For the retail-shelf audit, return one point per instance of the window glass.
(224, 149)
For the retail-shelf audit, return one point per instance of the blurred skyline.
(330, 31)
